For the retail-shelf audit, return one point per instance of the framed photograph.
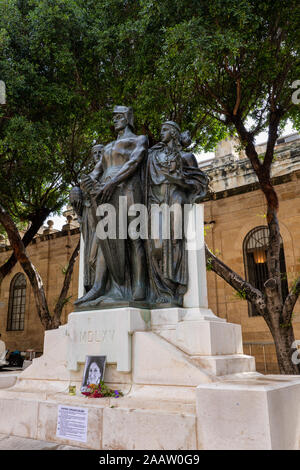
(94, 370)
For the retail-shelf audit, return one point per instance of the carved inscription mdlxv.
(96, 336)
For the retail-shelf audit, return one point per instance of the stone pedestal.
(258, 413)
(186, 382)
(104, 332)
(158, 347)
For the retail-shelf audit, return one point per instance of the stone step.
(166, 398)
(225, 365)
(216, 365)
(21, 443)
(109, 426)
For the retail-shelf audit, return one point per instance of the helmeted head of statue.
(172, 124)
(122, 117)
(170, 130)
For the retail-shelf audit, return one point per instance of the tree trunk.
(39, 293)
(55, 323)
(276, 314)
(283, 336)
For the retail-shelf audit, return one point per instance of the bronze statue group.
(131, 271)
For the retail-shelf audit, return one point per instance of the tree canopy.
(40, 140)
(216, 68)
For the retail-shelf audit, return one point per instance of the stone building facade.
(234, 208)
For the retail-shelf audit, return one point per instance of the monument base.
(187, 385)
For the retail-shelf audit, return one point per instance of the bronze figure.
(85, 207)
(121, 270)
(174, 179)
(120, 263)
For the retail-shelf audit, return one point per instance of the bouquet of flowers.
(100, 391)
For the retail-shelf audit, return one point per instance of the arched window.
(16, 306)
(255, 260)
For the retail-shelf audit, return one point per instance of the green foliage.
(283, 276)
(263, 216)
(241, 294)
(44, 137)
(66, 62)
(64, 269)
(295, 289)
(287, 324)
(207, 228)
(204, 50)
(216, 252)
(209, 264)
(209, 260)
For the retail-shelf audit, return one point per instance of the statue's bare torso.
(121, 157)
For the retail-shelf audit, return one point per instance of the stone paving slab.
(21, 443)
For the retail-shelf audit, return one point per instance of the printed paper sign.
(72, 423)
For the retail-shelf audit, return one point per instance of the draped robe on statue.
(167, 257)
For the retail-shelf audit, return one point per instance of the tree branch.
(248, 140)
(238, 96)
(272, 137)
(37, 222)
(224, 109)
(252, 294)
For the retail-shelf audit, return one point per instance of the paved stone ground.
(21, 443)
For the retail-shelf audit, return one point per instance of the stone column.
(195, 299)
(196, 295)
(81, 268)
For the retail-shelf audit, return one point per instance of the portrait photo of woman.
(93, 371)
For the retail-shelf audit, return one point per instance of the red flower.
(96, 394)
